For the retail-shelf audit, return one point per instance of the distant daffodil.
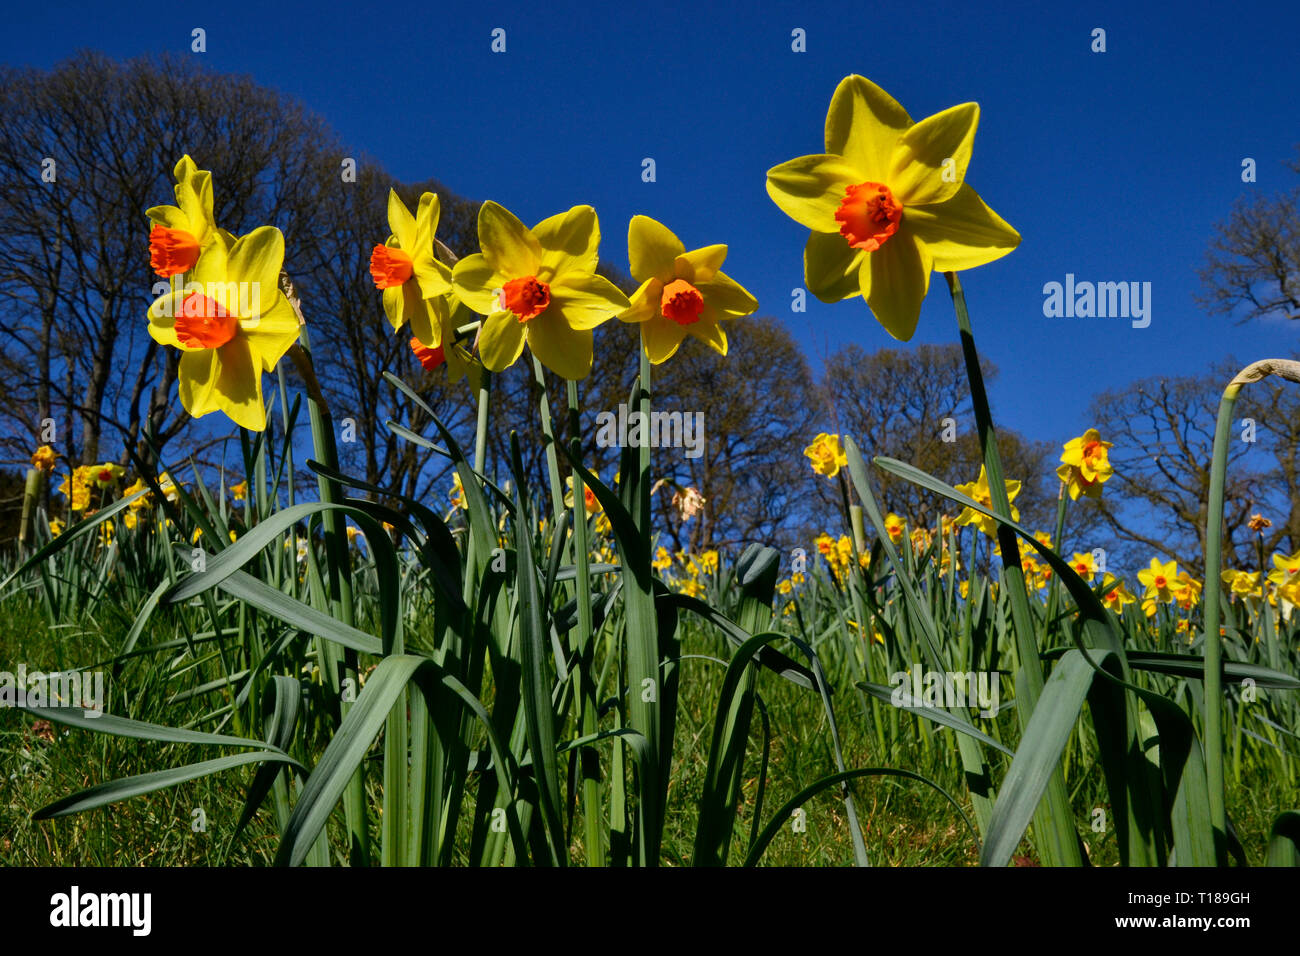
(1085, 465)
(888, 203)
(979, 491)
(826, 455)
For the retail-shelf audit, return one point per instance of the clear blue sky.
(1113, 166)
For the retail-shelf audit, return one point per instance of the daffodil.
(538, 287)
(1186, 590)
(232, 323)
(43, 459)
(76, 488)
(663, 560)
(1085, 465)
(457, 493)
(106, 474)
(1242, 583)
(1084, 565)
(895, 527)
(181, 233)
(1285, 568)
(681, 293)
(56, 527)
(1159, 580)
(979, 491)
(592, 505)
(407, 271)
(888, 203)
(1116, 593)
(827, 455)
(239, 491)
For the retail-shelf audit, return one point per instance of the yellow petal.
(170, 216)
(224, 379)
(651, 249)
(476, 283)
(961, 233)
(569, 243)
(863, 124)
(929, 163)
(162, 321)
(894, 280)
(809, 189)
(272, 333)
(831, 266)
(700, 265)
(501, 341)
(564, 350)
(586, 300)
(434, 277)
(645, 302)
(256, 259)
(661, 338)
(725, 294)
(709, 331)
(423, 325)
(508, 247)
(401, 222)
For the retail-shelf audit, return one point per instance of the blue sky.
(1113, 166)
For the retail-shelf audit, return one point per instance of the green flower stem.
(336, 550)
(1062, 505)
(1055, 836)
(1289, 370)
(548, 438)
(589, 757)
(31, 491)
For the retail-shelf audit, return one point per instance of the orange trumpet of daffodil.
(232, 323)
(538, 287)
(888, 203)
(682, 293)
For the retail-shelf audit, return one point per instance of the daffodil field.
(525, 673)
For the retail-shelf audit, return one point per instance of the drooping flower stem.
(1056, 839)
(1254, 372)
(590, 760)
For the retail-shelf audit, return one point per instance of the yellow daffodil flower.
(1084, 565)
(1242, 583)
(232, 323)
(407, 271)
(1186, 590)
(1116, 597)
(979, 491)
(1085, 465)
(827, 455)
(1159, 580)
(181, 233)
(538, 287)
(56, 527)
(888, 203)
(457, 493)
(663, 560)
(106, 474)
(43, 459)
(76, 488)
(682, 293)
(895, 527)
(1286, 568)
(588, 497)
(239, 491)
